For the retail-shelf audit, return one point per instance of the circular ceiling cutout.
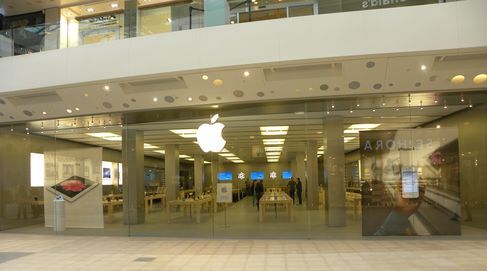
(1, 114)
(480, 78)
(238, 93)
(418, 84)
(377, 86)
(28, 113)
(458, 79)
(2, 101)
(126, 105)
(11, 117)
(217, 82)
(260, 94)
(354, 85)
(218, 97)
(433, 78)
(324, 87)
(107, 105)
(169, 99)
(391, 84)
(370, 64)
(336, 89)
(203, 98)
(133, 100)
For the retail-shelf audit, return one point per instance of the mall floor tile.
(64, 252)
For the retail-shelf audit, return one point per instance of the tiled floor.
(55, 252)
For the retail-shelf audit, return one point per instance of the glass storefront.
(326, 168)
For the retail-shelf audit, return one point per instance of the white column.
(171, 163)
(312, 175)
(199, 173)
(334, 164)
(133, 176)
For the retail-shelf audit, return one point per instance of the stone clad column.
(312, 175)
(334, 164)
(171, 163)
(51, 40)
(199, 173)
(133, 176)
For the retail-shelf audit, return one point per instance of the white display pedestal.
(59, 215)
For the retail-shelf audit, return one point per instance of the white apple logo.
(209, 136)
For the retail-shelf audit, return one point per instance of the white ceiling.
(326, 79)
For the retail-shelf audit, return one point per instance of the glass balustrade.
(107, 20)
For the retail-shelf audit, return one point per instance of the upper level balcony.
(102, 21)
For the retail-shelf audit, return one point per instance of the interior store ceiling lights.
(106, 136)
(274, 141)
(275, 148)
(185, 133)
(273, 130)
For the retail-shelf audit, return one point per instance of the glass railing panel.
(6, 43)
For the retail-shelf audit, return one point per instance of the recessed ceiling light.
(90, 9)
(272, 153)
(238, 161)
(232, 22)
(458, 79)
(214, 106)
(246, 73)
(273, 130)
(190, 159)
(272, 160)
(86, 95)
(204, 77)
(226, 154)
(275, 148)
(480, 78)
(320, 152)
(184, 156)
(273, 157)
(277, 141)
(114, 5)
(161, 151)
(106, 88)
(190, 99)
(44, 113)
(154, 99)
(423, 67)
(185, 133)
(106, 136)
(149, 146)
(217, 82)
(69, 111)
(438, 126)
(232, 158)
(77, 109)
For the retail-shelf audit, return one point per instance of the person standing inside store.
(299, 188)
(259, 191)
(291, 186)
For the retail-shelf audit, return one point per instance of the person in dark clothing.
(259, 191)
(291, 185)
(299, 188)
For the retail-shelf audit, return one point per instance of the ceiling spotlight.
(436, 100)
(480, 78)
(106, 88)
(328, 112)
(69, 111)
(77, 109)
(214, 106)
(358, 105)
(458, 79)
(154, 99)
(444, 105)
(351, 111)
(373, 110)
(246, 73)
(438, 126)
(114, 5)
(470, 104)
(90, 10)
(204, 77)
(423, 67)
(44, 113)
(333, 106)
(462, 99)
(421, 103)
(232, 22)
(397, 108)
(190, 99)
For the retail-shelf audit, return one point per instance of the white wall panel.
(456, 25)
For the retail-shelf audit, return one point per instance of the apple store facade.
(378, 165)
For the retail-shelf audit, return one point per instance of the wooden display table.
(273, 199)
(110, 204)
(355, 200)
(195, 206)
(149, 201)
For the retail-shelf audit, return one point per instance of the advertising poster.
(410, 182)
(224, 192)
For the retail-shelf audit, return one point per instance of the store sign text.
(380, 3)
(400, 145)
